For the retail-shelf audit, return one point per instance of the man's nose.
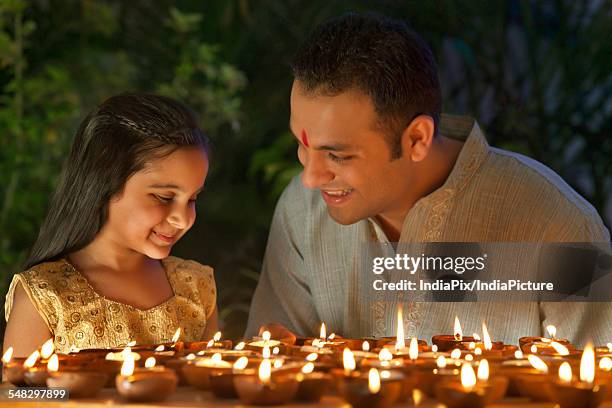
(316, 173)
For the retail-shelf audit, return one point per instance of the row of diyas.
(366, 372)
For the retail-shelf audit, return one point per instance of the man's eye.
(163, 199)
(339, 159)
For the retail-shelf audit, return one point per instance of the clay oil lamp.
(263, 388)
(399, 347)
(349, 365)
(532, 384)
(36, 370)
(13, 368)
(584, 392)
(544, 345)
(365, 352)
(312, 384)
(148, 384)
(79, 383)
(425, 379)
(374, 391)
(197, 371)
(491, 350)
(604, 351)
(222, 379)
(457, 340)
(265, 340)
(324, 342)
(471, 391)
(385, 361)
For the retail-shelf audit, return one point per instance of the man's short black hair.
(378, 56)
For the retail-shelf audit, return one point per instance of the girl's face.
(157, 205)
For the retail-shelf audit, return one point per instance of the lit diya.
(446, 342)
(547, 345)
(78, 382)
(584, 392)
(399, 348)
(471, 391)
(312, 384)
(379, 389)
(36, 365)
(13, 368)
(213, 345)
(150, 384)
(222, 379)
(532, 384)
(263, 388)
(197, 371)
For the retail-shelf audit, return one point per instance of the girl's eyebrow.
(173, 186)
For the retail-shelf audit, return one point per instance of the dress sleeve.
(36, 291)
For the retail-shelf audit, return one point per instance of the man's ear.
(417, 137)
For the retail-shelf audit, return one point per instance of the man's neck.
(431, 174)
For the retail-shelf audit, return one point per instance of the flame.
(456, 354)
(468, 377)
(265, 370)
(478, 351)
(216, 357)
(53, 363)
(278, 363)
(486, 338)
(385, 355)
(560, 348)
(441, 362)
(385, 374)
(400, 343)
(266, 336)
(47, 349)
(240, 346)
(150, 362)
(177, 335)
(266, 352)
(565, 372)
(518, 354)
(131, 343)
(365, 346)
(332, 336)
(469, 357)
(483, 370)
(537, 363)
(348, 360)
(275, 350)
(476, 336)
(533, 349)
(434, 348)
(417, 396)
(190, 356)
(31, 360)
(217, 336)
(201, 352)
(127, 368)
(159, 348)
(308, 368)
(317, 343)
(6, 357)
(322, 332)
(609, 347)
(413, 352)
(471, 345)
(210, 343)
(312, 357)
(457, 330)
(605, 364)
(552, 331)
(373, 381)
(587, 364)
(241, 363)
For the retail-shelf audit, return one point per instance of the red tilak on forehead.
(305, 139)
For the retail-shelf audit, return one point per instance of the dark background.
(536, 74)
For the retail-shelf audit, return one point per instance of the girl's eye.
(163, 199)
(339, 159)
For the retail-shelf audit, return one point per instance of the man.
(382, 165)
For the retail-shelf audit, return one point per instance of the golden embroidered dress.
(78, 316)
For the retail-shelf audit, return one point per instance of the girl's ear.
(417, 137)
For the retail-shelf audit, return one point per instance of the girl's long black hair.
(114, 141)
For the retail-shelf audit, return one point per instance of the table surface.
(189, 397)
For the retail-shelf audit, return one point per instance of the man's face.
(346, 157)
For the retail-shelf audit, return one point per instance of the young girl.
(100, 274)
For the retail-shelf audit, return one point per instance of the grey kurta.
(309, 272)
